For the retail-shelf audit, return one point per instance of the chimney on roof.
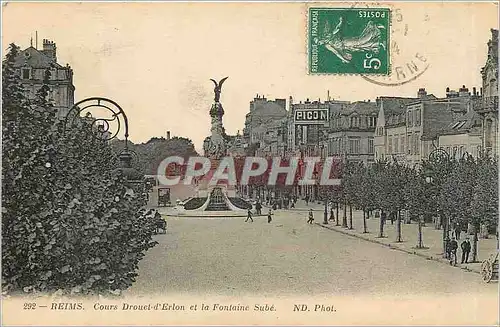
(168, 135)
(49, 49)
(422, 92)
(463, 92)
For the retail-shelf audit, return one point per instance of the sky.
(156, 59)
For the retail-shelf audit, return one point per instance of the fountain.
(220, 200)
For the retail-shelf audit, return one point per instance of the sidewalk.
(301, 206)
(432, 239)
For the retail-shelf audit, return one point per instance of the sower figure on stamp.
(311, 217)
(249, 215)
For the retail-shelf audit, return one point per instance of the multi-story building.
(32, 64)
(487, 107)
(463, 136)
(351, 131)
(391, 134)
(260, 123)
(409, 129)
(308, 136)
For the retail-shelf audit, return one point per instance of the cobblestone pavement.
(227, 256)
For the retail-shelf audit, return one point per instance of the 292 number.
(30, 306)
(371, 63)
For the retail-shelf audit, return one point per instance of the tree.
(484, 205)
(67, 213)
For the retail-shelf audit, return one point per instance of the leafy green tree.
(70, 222)
(484, 204)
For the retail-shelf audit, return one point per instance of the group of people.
(250, 215)
(451, 247)
(159, 223)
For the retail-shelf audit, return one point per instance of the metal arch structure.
(439, 155)
(99, 127)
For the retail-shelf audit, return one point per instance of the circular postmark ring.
(404, 68)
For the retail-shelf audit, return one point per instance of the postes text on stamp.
(349, 41)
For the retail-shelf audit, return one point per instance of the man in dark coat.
(269, 218)
(258, 208)
(310, 217)
(249, 215)
(466, 247)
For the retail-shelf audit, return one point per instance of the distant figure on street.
(331, 213)
(307, 200)
(258, 208)
(249, 215)
(383, 216)
(391, 216)
(292, 204)
(465, 250)
(275, 205)
(311, 217)
(447, 247)
(453, 249)
(269, 218)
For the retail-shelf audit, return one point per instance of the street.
(226, 256)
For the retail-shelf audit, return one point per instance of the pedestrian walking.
(307, 200)
(453, 251)
(258, 208)
(249, 215)
(391, 216)
(311, 217)
(466, 247)
(269, 218)
(292, 204)
(331, 213)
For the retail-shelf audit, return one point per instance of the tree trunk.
(344, 218)
(337, 214)
(365, 213)
(350, 217)
(474, 245)
(445, 236)
(381, 229)
(398, 226)
(420, 244)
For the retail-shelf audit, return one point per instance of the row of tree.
(70, 221)
(452, 191)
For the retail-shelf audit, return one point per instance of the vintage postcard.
(213, 163)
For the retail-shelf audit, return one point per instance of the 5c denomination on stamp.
(349, 40)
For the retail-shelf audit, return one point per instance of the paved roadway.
(226, 256)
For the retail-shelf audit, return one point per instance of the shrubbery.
(70, 222)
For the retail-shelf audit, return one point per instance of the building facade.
(487, 107)
(32, 64)
(352, 131)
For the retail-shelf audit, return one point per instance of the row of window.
(336, 146)
(400, 143)
(30, 73)
(413, 117)
(355, 122)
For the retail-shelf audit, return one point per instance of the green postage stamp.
(349, 40)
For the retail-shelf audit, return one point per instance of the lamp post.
(439, 161)
(105, 129)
